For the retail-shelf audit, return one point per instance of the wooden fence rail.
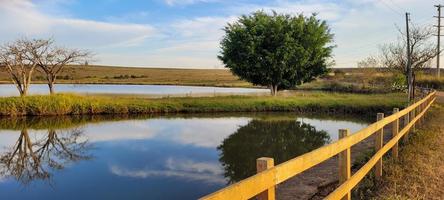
(262, 185)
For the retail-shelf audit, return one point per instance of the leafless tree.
(31, 160)
(52, 60)
(17, 58)
(368, 63)
(394, 56)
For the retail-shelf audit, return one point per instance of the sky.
(186, 33)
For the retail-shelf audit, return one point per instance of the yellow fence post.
(344, 163)
(263, 164)
(379, 141)
(395, 131)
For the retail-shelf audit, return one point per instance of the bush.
(399, 82)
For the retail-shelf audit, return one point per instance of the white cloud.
(326, 10)
(196, 40)
(146, 59)
(202, 27)
(179, 168)
(179, 130)
(23, 18)
(359, 27)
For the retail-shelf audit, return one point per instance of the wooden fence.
(262, 185)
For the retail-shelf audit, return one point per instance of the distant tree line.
(21, 58)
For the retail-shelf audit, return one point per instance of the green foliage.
(278, 51)
(399, 82)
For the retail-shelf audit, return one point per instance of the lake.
(149, 157)
(157, 90)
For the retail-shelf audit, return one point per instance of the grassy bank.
(419, 172)
(319, 102)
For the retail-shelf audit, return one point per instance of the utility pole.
(409, 57)
(438, 48)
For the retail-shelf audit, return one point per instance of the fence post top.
(343, 133)
(267, 159)
(395, 110)
(264, 163)
(344, 130)
(380, 116)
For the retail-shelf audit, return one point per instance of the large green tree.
(275, 50)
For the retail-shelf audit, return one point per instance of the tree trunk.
(23, 89)
(273, 89)
(51, 80)
(51, 88)
(24, 92)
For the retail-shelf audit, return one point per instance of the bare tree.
(394, 57)
(368, 63)
(52, 60)
(17, 58)
(29, 160)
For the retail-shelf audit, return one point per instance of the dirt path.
(419, 173)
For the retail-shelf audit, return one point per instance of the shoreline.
(315, 102)
(140, 83)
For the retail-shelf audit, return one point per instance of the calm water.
(168, 157)
(162, 90)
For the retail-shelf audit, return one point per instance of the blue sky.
(186, 33)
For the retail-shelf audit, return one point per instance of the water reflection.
(156, 90)
(281, 140)
(28, 160)
(148, 157)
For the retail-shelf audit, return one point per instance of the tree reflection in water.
(278, 139)
(31, 160)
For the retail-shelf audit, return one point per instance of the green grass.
(313, 102)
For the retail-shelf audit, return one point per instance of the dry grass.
(345, 80)
(319, 102)
(419, 173)
(135, 75)
(431, 81)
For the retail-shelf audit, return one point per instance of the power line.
(425, 21)
(390, 7)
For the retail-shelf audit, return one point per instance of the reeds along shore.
(315, 102)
